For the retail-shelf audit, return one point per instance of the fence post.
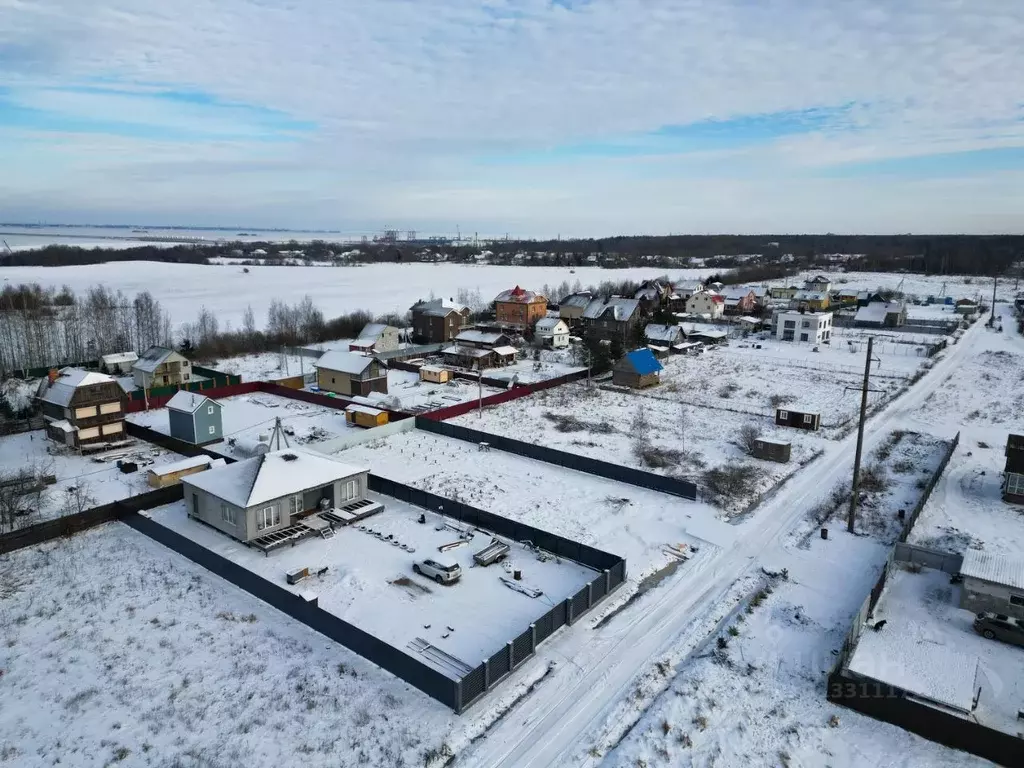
(511, 658)
(533, 638)
(590, 594)
(487, 674)
(458, 697)
(607, 581)
(568, 611)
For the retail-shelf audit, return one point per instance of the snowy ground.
(957, 286)
(371, 584)
(406, 392)
(920, 607)
(265, 366)
(101, 481)
(116, 650)
(246, 417)
(687, 441)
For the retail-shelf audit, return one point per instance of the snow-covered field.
(370, 583)
(117, 651)
(406, 392)
(957, 286)
(98, 480)
(266, 366)
(246, 417)
(380, 288)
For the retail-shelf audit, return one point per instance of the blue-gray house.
(195, 418)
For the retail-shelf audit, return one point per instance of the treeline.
(67, 255)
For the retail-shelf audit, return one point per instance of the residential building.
(519, 308)
(119, 363)
(479, 348)
(637, 369)
(164, 475)
(867, 297)
(812, 327)
(612, 318)
(571, 307)
(992, 582)
(1013, 471)
(438, 320)
(815, 301)
(82, 408)
(739, 300)
(653, 293)
(663, 336)
(552, 332)
(376, 337)
(818, 284)
(347, 373)
(783, 292)
(710, 303)
(195, 418)
(848, 297)
(685, 290)
(272, 492)
(161, 367)
(881, 314)
(787, 417)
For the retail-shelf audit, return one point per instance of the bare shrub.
(748, 436)
(728, 390)
(874, 479)
(659, 457)
(564, 422)
(77, 498)
(778, 400)
(903, 466)
(723, 485)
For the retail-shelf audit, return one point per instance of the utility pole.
(992, 320)
(480, 393)
(855, 490)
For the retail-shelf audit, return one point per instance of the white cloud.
(406, 94)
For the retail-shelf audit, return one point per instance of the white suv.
(440, 572)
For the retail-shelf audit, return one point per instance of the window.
(227, 514)
(268, 517)
(1014, 484)
(213, 429)
(110, 408)
(349, 490)
(209, 409)
(295, 504)
(784, 415)
(85, 413)
(805, 324)
(803, 337)
(808, 418)
(790, 324)
(1017, 600)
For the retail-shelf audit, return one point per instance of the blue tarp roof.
(643, 361)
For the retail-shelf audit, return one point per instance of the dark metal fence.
(916, 512)
(639, 478)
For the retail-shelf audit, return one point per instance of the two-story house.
(479, 348)
(519, 308)
(818, 284)
(812, 327)
(739, 300)
(437, 320)
(571, 307)
(346, 373)
(161, 367)
(813, 301)
(710, 303)
(613, 318)
(376, 337)
(82, 408)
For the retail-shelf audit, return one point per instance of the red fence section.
(244, 388)
(523, 390)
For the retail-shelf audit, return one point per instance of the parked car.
(996, 626)
(442, 573)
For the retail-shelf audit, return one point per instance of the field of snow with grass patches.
(116, 650)
(406, 392)
(264, 366)
(699, 444)
(246, 417)
(756, 381)
(631, 522)
(957, 286)
(183, 289)
(754, 692)
(99, 480)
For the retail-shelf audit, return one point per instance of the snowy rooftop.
(119, 358)
(477, 336)
(345, 362)
(455, 349)
(577, 300)
(186, 402)
(63, 389)
(810, 296)
(548, 323)
(271, 476)
(876, 311)
(618, 307)
(152, 358)
(356, 408)
(519, 296)
(662, 332)
(189, 463)
(371, 332)
(438, 307)
(505, 350)
(1008, 571)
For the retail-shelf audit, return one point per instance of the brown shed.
(771, 450)
(637, 369)
(786, 417)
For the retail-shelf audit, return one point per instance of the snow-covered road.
(562, 719)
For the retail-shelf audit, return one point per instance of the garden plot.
(652, 434)
(634, 523)
(246, 417)
(116, 650)
(266, 366)
(740, 377)
(83, 482)
(535, 366)
(406, 392)
(370, 582)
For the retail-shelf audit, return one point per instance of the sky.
(532, 117)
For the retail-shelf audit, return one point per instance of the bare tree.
(684, 425)
(748, 435)
(640, 431)
(249, 323)
(22, 494)
(77, 498)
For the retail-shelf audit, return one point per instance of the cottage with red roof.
(519, 307)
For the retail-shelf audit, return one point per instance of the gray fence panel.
(522, 648)
(545, 626)
(580, 603)
(499, 664)
(618, 573)
(597, 590)
(929, 558)
(473, 686)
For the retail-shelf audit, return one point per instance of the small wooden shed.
(772, 450)
(786, 417)
(435, 374)
(637, 369)
(171, 474)
(365, 416)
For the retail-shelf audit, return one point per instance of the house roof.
(189, 463)
(364, 409)
(506, 350)
(549, 324)
(1014, 442)
(810, 296)
(577, 299)
(270, 476)
(519, 296)
(851, 292)
(662, 332)
(371, 332)
(691, 286)
(461, 351)
(63, 388)
(876, 311)
(344, 362)
(714, 335)
(621, 309)
(438, 307)
(999, 569)
(117, 358)
(643, 362)
(737, 292)
(477, 336)
(151, 358)
(818, 279)
(187, 402)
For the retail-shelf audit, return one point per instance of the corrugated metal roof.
(549, 324)
(662, 332)
(63, 389)
(643, 361)
(151, 358)
(343, 362)
(186, 402)
(119, 357)
(620, 308)
(999, 569)
(480, 337)
(577, 299)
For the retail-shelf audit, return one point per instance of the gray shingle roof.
(343, 362)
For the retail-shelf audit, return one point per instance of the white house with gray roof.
(161, 367)
(552, 332)
(376, 337)
(271, 493)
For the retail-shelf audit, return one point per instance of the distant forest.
(767, 255)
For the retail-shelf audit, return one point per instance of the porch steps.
(327, 533)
